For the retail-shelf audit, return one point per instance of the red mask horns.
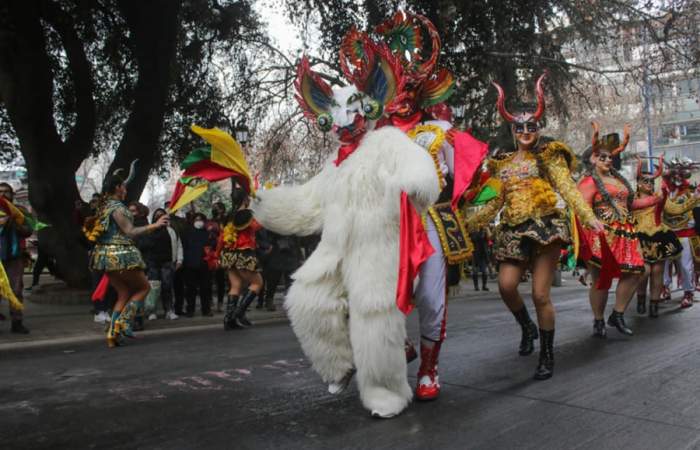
(536, 116)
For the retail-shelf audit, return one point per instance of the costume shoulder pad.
(550, 149)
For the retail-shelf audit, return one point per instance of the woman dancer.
(236, 248)
(113, 231)
(532, 229)
(611, 197)
(659, 243)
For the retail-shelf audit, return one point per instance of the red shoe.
(428, 387)
(687, 301)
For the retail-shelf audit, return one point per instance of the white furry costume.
(342, 303)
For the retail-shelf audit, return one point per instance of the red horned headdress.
(610, 142)
(522, 117)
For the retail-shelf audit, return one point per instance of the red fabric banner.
(468, 154)
(101, 289)
(414, 249)
(609, 268)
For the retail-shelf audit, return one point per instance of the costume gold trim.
(454, 239)
(434, 147)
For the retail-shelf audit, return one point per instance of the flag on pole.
(222, 158)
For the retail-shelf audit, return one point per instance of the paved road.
(254, 389)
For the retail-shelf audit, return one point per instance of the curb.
(57, 342)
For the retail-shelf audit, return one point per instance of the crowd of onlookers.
(180, 258)
(182, 269)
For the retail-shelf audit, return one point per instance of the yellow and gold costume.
(659, 243)
(527, 197)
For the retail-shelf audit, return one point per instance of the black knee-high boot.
(484, 280)
(229, 316)
(545, 369)
(240, 317)
(641, 304)
(529, 329)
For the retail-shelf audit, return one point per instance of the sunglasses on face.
(531, 127)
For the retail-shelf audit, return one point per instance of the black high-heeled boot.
(529, 332)
(641, 304)
(240, 318)
(599, 329)
(230, 314)
(545, 369)
(617, 320)
(654, 308)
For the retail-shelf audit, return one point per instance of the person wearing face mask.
(196, 271)
(163, 253)
(613, 202)
(214, 226)
(659, 243)
(237, 255)
(532, 229)
(113, 231)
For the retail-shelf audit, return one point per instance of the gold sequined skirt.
(115, 258)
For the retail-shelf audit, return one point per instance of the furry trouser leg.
(319, 316)
(378, 345)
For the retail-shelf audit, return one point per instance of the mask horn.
(596, 133)
(660, 169)
(625, 141)
(639, 167)
(539, 91)
(501, 104)
(132, 172)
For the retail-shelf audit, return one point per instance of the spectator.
(279, 256)
(180, 226)
(214, 227)
(196, 272)
(43, 260)
(140, 213)
(480, 259)
(163, 253)
(12, 236)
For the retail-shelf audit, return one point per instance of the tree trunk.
(154, 27)
(26, 89)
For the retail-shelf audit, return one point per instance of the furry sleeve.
(293, 210)
(413, 168)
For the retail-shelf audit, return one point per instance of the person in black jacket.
(196, 272)
(280, 256)
(480, 259)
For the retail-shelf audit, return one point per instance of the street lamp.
(241, 132)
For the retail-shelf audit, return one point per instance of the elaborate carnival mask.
(524, 122)
(645, 180)
(427, 88)
(679, 171)
(350, 111)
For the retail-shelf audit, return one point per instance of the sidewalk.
(54, 324)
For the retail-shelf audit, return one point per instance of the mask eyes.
(531, 127)
(372, 109)
(325, 122)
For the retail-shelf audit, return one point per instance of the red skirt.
(624, 245)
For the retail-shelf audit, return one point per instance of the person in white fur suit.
(343, 301)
